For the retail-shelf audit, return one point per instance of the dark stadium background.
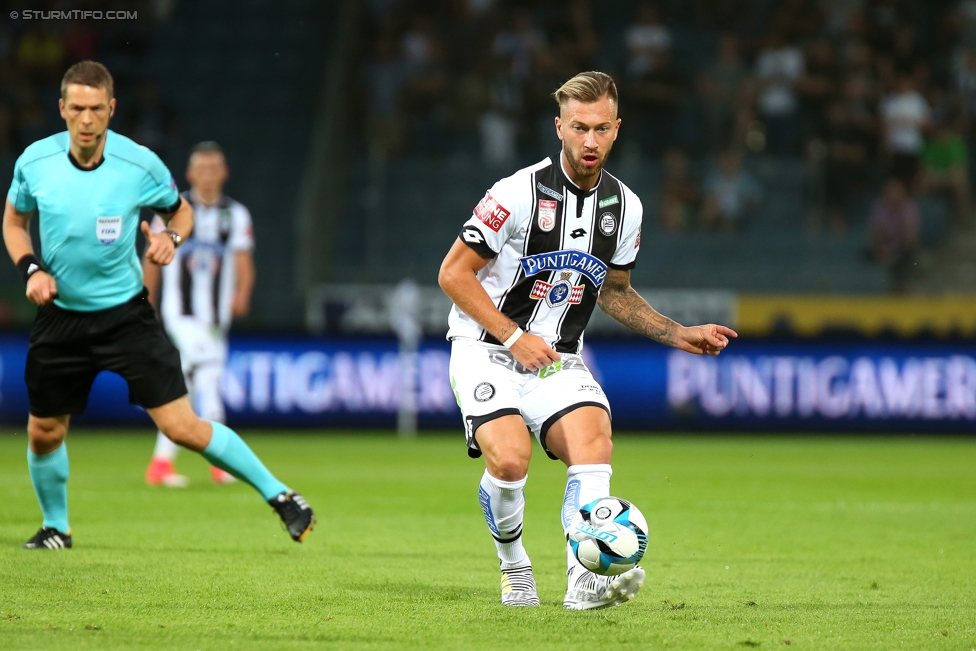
(361, 134)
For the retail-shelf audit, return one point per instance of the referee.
(87, 185)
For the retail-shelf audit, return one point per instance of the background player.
(543, 248)
(88, 185)
(208, 283)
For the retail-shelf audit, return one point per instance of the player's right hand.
(41, 288)
(532, 352)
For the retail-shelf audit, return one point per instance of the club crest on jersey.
(491, 213)
(547, 214)
(608, 224)
(580, 262)
(108, 229)
(558, 293)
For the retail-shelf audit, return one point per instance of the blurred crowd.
(35, 53)
(871, 94)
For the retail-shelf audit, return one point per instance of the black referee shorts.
(68, 349)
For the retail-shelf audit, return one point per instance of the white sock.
(503, 503)
(165, 449)
(584, 483)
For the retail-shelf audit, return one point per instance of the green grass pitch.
(768, 542)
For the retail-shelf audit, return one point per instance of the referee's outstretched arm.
(41, 286)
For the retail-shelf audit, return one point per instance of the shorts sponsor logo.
(609, 201)
(506, 359)
(552, 369)
(550, 192)
(484, 392)
(591, 388)
(579, 261)
(547, 214)
(608, 224)
(491, 213)
(108, 229)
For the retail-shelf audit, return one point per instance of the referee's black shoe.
(295, 514)
(47, 538)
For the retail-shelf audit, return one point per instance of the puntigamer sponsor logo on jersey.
(579, 261)
(492, 213)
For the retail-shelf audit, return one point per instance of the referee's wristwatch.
(176, 237)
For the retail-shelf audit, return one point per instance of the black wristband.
(28, 266)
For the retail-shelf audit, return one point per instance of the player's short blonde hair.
(587, 87)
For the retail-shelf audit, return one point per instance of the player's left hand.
(160, 250)
(708, 339)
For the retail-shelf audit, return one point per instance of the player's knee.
(45, 434)
(510, 467)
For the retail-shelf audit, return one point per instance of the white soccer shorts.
(488, 384)
(203, 354)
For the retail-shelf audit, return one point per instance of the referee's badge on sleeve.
(108, 229)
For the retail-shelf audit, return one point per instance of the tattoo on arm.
(507, 330)
(619, 300)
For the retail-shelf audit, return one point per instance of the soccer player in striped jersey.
(87, 185)
(542, 249)
(208, 283)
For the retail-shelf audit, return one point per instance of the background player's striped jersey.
(200, 281)
(550, 245)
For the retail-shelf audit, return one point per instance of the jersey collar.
(571, 185)
(78, 166)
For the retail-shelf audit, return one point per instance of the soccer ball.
(608, 536)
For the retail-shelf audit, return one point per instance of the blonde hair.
(587, 87)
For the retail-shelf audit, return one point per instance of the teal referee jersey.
(89, 218)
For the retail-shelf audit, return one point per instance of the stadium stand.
(454, 96)
(446, 97)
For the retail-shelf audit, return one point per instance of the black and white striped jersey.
(550, 246)
(200, 281)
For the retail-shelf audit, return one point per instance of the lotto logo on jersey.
(492, 213)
